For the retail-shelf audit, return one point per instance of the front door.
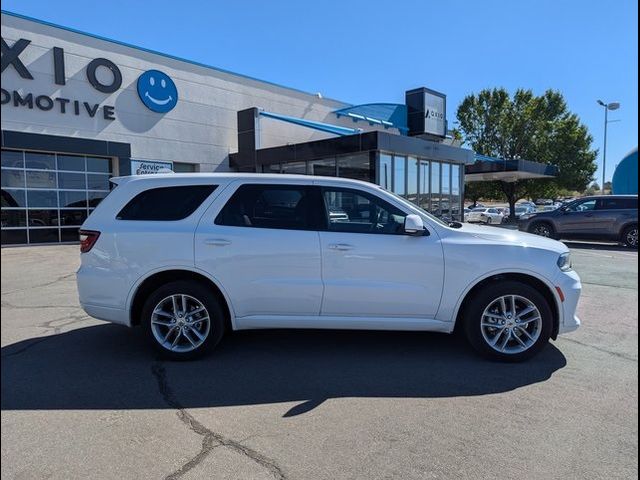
(263, 247)
(370, 267)
(579, 218)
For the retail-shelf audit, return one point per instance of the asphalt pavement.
(85, 399)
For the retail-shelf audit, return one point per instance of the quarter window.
(358, 212)
(618, 204)
(269, 206)
(163, 204)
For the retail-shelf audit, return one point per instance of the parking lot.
(85, 399)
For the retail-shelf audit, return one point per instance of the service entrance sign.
(149, 167)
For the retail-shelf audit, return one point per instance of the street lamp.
(607, 106)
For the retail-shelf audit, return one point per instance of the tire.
(543, 229)
(513, 343)
(188, 336)
(629, 236)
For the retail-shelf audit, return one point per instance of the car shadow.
(112, 367)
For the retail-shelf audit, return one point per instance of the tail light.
(88, 238)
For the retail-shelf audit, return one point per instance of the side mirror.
(413, 225)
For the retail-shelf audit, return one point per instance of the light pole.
(607, 106)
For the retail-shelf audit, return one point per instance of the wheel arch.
(539, 284)
(156, 278)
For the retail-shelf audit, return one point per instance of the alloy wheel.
(511, 324)
(180, 323)
(542, 230)
(632, 237)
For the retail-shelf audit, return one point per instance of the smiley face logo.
(157, 91)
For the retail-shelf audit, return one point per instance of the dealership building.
(78, 108)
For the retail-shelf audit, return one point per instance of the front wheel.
(183, 320)
(630, 236)
(509, 321)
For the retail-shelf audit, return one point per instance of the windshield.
(415, 208)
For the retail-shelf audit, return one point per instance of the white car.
(490, 216)
(192, 256)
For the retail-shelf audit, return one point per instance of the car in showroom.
(489, 216)
(604, 217)
(189, 257)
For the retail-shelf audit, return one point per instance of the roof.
(231, 176)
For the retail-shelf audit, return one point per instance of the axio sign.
(156, 90)
(435, 114)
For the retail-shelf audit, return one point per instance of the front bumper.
(569, 283)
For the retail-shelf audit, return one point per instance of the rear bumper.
(108, 314)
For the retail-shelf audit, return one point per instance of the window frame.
(133, 199)
(370, 196)
(315, 223)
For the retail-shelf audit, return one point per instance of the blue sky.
(372, 51)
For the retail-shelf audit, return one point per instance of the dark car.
(606, 217)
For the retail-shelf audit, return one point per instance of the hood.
(506, 236)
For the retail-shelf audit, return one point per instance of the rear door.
(261, 243)
(614, 212)
(369, 266)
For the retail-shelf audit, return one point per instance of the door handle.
(342, 247)
(217, 242)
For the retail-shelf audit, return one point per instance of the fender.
(215, 281)
(521, 271)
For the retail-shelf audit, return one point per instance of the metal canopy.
(487, 169)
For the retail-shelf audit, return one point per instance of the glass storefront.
(434, 186)
(47, 196)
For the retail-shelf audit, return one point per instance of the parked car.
(605, 217)
(522, 210)
(192, 256)
(543, 201)
(466, 213)
(490, 216)
(532, 206)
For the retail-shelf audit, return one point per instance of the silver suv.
(605, 217)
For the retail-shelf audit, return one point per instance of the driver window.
(582, 206)
(358, 212)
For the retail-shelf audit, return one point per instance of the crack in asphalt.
(25, 307)
(603, 350)
(40, 285)
(210, 439)
(48, 325)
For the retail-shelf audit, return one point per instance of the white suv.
(191, 256)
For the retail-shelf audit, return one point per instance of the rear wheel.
(183, 320)
(544, 229)
(509, 321)
(630, 236)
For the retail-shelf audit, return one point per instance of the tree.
(474, 191)
(529, 127)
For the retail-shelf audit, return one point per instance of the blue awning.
(389, 115)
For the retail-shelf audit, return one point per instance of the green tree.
(529, 127)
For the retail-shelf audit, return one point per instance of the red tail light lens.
(88, 238)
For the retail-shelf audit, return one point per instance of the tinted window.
(166, 203)
(269, 206)
(582, 206)
(618, 204)
(358, 212)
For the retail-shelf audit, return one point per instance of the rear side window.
(269, 206)
(618, 204)
(166, 203)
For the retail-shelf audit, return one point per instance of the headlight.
(564, 262)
